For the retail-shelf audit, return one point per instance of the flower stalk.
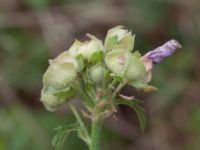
(95, 134)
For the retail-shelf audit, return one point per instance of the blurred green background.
(32, 31)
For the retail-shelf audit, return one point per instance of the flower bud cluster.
(97, 61)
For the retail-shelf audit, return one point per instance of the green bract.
(125, 64)
(119, 38)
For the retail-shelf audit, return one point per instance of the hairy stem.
(95, 135)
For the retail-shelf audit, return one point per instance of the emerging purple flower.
(167, 49)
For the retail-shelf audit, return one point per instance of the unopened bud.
(52, 98)
(87, 49)
(59, 75)
(67, 57)
(125, 64)
(97, 73)
(119, 38)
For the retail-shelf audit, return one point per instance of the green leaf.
(98, 56)
(136, 106)
(80, 61)
(61, 135)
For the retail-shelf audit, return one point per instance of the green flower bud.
(119, 38)
(87, 49)
(66, 57)
(97, 73)
(125, 64)
(59, 75)
(52, 99)
(74, 49)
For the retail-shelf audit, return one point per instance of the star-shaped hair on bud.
(167, 49)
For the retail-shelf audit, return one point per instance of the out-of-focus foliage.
(32, 31)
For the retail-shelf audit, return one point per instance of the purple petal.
(167, 49)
